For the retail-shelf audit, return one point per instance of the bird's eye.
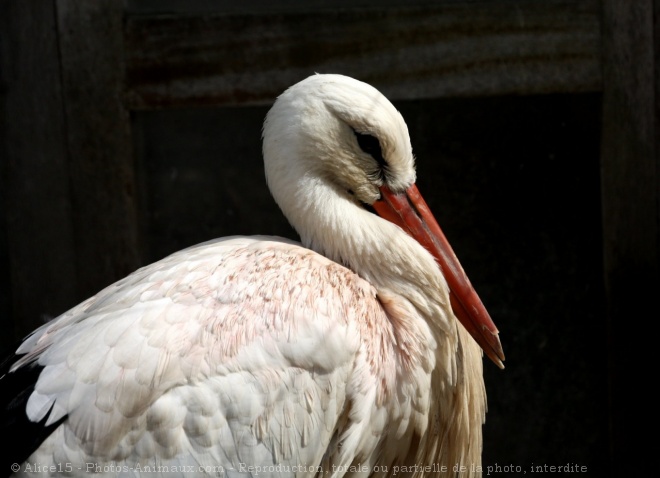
(370, 145)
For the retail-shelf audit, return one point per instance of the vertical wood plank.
(39, 222)
(99, 141)
(630, 215)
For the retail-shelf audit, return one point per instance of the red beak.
(409, 211)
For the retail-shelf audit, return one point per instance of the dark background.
(131, 131)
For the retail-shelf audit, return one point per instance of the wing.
(233, 354)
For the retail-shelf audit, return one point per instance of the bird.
(354, 352)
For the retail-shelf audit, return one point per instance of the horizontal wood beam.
(455, 49)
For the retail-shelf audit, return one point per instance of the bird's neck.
(330, 222)
(333, 224)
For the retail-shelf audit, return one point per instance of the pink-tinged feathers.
(312, 333)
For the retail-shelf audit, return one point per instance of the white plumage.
(260, 357)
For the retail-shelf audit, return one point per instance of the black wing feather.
(23, 436)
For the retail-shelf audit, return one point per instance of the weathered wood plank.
(187, 7)
(631, 216)
(452, 49)
(39, 219)
(104, 198)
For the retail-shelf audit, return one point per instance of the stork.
(355, 353)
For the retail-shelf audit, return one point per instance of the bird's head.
(344, 131)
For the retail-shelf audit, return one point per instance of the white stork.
(258, 356)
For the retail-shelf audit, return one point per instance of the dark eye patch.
(370, 145)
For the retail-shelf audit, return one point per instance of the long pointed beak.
(409, 211)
